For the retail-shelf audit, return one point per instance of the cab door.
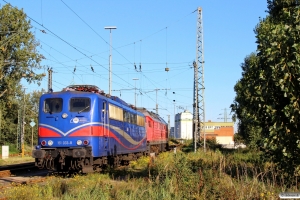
(105, 122)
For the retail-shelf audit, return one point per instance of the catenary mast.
(199, 88)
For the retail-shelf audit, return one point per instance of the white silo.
(184, 125)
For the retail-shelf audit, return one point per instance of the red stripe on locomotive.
(45, 132)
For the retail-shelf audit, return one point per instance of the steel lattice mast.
(199, 102)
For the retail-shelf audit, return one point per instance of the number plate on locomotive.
(64, 142)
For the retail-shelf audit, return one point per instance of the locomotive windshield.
(80, 105)
(53, 105)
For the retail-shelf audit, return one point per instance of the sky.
(153, 34)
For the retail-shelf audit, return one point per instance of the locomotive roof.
(90, 89)
(69, 92)
(84, 88)
(117, 99)
(94, 89)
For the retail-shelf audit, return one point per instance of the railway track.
(6, 170)
(23, 173)
(16, 167)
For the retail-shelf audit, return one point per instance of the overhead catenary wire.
(66, 66)
(140, 90)
(139, 68)
(61, 63)
(94, 31)
(72, 46)
(70, 67)
(98, 64)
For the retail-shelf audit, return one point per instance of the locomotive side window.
(104, 106)
(140, 120)
(115, 112)
(80, 105)
(53, 105)
(126, 116)
(149, 123)
(132, 118)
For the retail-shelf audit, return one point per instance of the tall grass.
(199, 175)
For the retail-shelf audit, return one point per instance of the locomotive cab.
(64, 130)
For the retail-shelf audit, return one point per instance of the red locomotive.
(156, 130)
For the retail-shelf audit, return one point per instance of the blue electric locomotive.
(82, 129)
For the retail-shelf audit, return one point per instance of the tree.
(245, 88)
(18, 59)
(279, 60)
(272, 88)
(18, 55)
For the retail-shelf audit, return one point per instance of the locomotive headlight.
(79, 142)
(50, 142)
(65, 115)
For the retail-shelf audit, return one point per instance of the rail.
(19, 166)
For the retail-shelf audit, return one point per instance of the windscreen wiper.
(83, 109)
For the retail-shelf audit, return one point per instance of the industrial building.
(183, 125)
